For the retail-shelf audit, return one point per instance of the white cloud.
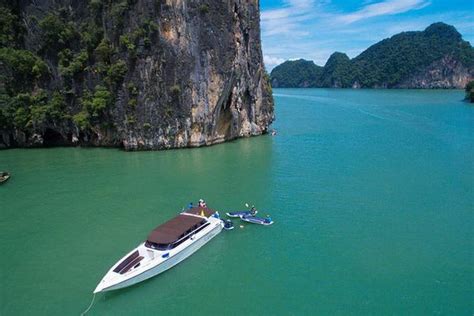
(301, 4)
(287, 20)
(271, 61)
(298, 17)
(388, 7)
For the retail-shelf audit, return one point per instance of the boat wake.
(373, 115)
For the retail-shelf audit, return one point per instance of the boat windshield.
(156, 246)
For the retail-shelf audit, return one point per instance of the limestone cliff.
(448, 72)
(142, 74)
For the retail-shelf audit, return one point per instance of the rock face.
(187, 73)
(445, 73)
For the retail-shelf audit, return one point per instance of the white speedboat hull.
(156, 263)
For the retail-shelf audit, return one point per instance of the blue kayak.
(240, 213)
(228, 225)
(257, 220)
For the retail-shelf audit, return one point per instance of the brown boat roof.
(174, 229)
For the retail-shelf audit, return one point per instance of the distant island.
(437, 57)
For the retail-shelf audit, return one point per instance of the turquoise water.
(371, 192)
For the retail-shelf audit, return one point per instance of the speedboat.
(241, 213)
(166, 246)
(257, 220)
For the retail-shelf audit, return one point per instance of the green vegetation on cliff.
(393, 62)
(470, 91)
(70, 72)
(83, 57)
(296, 73)
(337, 71)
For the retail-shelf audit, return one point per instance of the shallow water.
(371, 192)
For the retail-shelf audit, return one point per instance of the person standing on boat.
(202, 203)
(190, 205)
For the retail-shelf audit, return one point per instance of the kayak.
(228, 225)
(257, 220)
(240, 213)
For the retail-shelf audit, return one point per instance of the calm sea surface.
(371, 192)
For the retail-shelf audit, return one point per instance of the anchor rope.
(92, 302)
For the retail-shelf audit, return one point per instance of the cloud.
(288, 19)
(301, 4)
(271, 61)
(296, 18)
(388, 7)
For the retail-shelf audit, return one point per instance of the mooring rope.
(92, 302)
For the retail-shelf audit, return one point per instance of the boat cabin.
(175, 231)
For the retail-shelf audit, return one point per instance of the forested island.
(131, 73)
(437, 57)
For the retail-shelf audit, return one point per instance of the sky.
(314, 29)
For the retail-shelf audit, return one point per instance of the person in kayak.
(253, 211)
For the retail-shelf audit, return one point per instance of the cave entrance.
(53, 138)
(224, 120)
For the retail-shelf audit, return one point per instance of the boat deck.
(202, 211)
(129, 263)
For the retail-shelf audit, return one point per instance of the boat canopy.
(175, 229)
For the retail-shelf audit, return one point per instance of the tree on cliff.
(470, 91)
